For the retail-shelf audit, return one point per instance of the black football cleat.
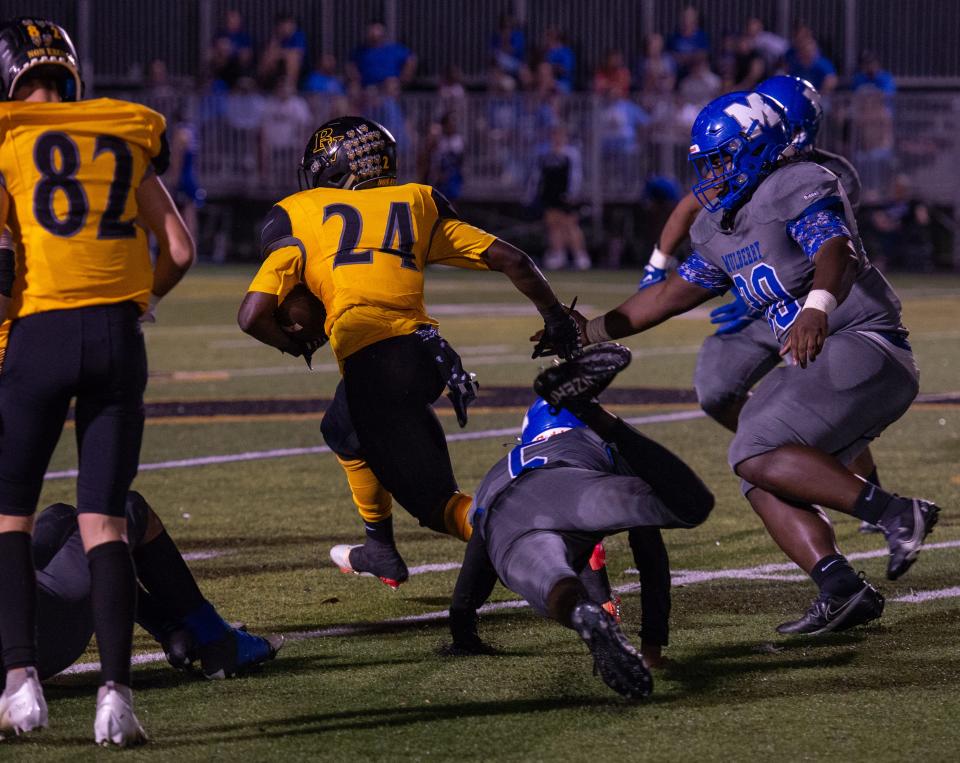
(837, 613)
(579, 380)
(180, 648)
(905, 534)
(237, 652)
(614, 658)
(380, 560)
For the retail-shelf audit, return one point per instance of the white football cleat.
(24, 710)
(115, 722)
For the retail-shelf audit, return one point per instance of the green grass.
(736, 690)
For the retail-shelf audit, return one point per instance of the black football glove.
(561, 335)
(466, 640)
(462, 385)
(305, 349)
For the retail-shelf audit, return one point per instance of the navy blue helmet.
(735, 142)
(40, 47)
(351, 153)
(800, 102)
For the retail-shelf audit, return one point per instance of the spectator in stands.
(613, 78)
(159, 86)
(441, 161)
(560, 56)
(230, 56)
(688, 41)
(284, 134)
(508, 48)
(804, 60)
(872, 139)
(771, 47)
(324, 80)
(741, 66)
(904, 228)
(182, 172)
(383, 105)
(657, 78)
(556, 182)
(701, 85)
(620, 121)
(871, 75)
(452, 95)
(283, 56)
(378, 60)
(245, 106)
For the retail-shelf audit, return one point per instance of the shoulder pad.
(792, 190)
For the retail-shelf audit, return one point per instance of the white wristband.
(663, 261)
(821, 299)
(597, 330)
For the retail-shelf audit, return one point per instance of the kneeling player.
(170, 606)
(574, 478)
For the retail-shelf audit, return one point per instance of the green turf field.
(736, 690)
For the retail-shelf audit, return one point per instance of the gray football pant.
(858, 385)
(545, 525)
(729, 365)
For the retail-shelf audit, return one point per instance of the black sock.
(113, 593)
(380, 532)
(18, 604)
(873, 478)
(871, 503)
(166, 576)
(834, 575)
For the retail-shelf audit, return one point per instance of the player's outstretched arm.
(674, 482)
(561, 330)
(475, 583)
(646, 309)
(674, 233)
(176, 248)
(835, 270)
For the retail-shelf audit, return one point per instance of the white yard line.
(681, 577)
(259, 455)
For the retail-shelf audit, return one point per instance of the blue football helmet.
(542, 421)
(800, 102)
(735, 143)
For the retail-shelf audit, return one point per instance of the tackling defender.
(543, 507)
(783, 234)
(170, 606)
(361, 244)
(743, 349)
(78, 178)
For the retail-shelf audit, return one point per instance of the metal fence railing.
(249, 146)
(119, 38)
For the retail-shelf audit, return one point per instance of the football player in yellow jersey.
(361, 243)
(79, 182)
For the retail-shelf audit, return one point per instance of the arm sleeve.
(815, 228)
(474, 584)
(698, 271)
(653, 564)
(454, 242)
(679, 487)
(160, 162)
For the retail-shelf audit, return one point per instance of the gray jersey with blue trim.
(773, 269)
(575, 448)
